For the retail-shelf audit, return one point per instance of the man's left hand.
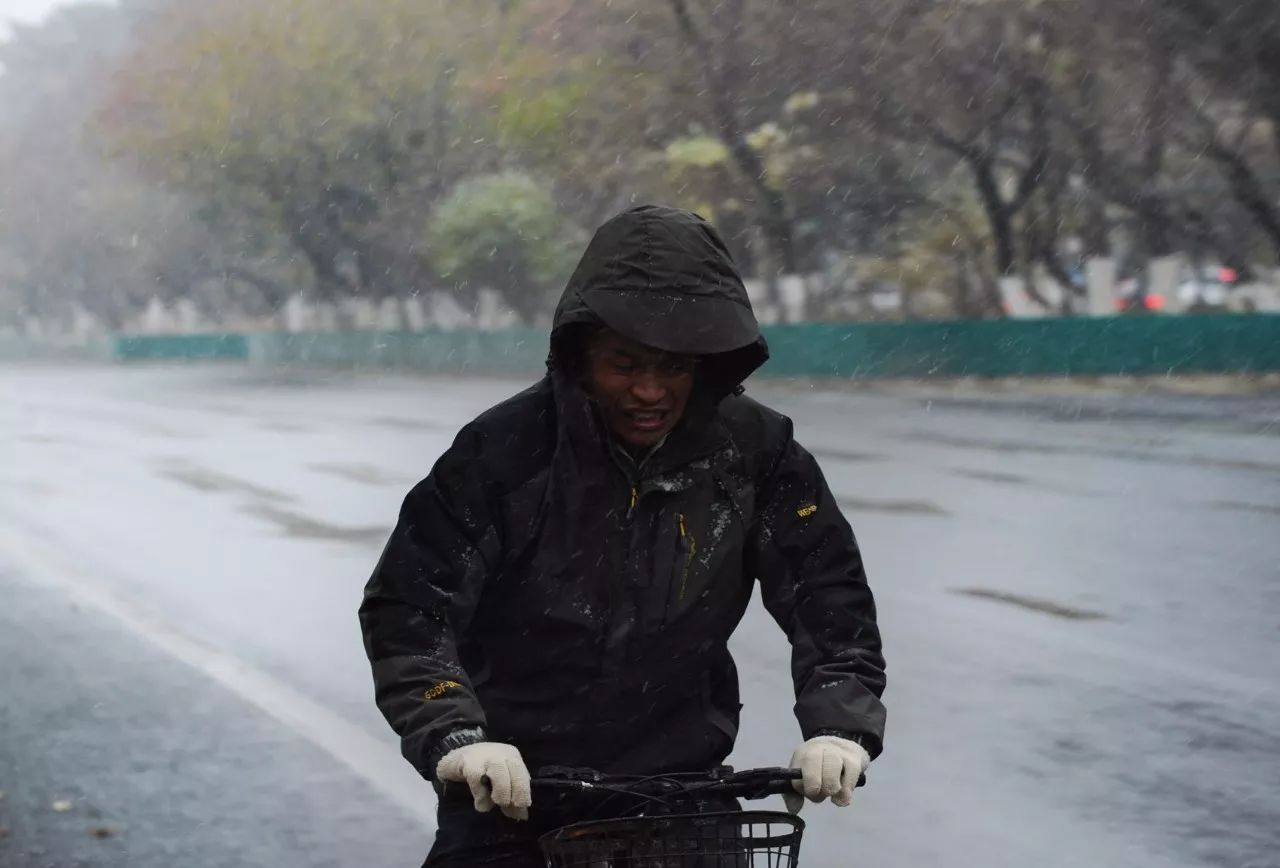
(831, 767)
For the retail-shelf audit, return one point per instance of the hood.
(663, 277)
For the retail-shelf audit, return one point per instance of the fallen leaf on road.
(102, 832)
(61, 806)
(4, 832)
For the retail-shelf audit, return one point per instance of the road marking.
(372, 760)
(1033, 604)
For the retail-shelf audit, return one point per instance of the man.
(561, 588)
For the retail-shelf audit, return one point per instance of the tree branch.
(1246, 186)
(1040, 150)
(720, 77)
(688, 29)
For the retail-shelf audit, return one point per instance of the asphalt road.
(114, 754)
(1080, 596)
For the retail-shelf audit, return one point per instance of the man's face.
(642, 391)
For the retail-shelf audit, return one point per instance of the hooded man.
(561, 589)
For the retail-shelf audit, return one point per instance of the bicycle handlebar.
(723, 781)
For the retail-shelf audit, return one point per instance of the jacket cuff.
(452, 740)
(868, 742)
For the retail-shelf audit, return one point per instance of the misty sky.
(27, 11)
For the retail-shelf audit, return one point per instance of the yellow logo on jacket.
(806, 511)
(440, 689)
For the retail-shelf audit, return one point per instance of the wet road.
(113, 754)
(1080, 595)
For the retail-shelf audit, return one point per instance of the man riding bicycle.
(561, 589)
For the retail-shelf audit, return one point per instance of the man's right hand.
(495, 773)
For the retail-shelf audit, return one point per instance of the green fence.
(1045, 347)
(509, 351)
(990, 348)
(23, 349)
(134, 348)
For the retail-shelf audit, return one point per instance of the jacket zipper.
(690, 547)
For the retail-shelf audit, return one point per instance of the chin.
(646, 439)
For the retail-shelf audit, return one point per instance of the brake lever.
(570, 774)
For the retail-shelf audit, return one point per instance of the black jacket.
(543, 589)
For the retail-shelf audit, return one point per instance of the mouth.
(647, 421)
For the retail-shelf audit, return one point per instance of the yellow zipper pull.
(632, 506)
(690, 546)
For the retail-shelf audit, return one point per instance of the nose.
(648, 389)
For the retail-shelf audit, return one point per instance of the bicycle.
(671, 832)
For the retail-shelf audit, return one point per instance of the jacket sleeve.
(813, 584)
(421, 598)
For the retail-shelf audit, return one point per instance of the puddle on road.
(285, 427)
(846, 454)
(366, 474)
(1007, 446)
(991, 476)
(1239, 464)
(151, 430)
(1002, 478)
(265, 504)
(298, 526)
(1016, 446)
(897, 507)
(74, 444)
(413, 424)
(203, 479)
(32, 487)
(44, 440)
(1035, 604)
(1083, 412)
(230, 410)
(1241, 506)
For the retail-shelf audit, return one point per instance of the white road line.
(377, 763)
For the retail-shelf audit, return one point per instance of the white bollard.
(415, 314)
(792, 293)
(492, 311)
(155, 319)
(84, 325)
(1017, 304)
(1100, 282)
(297, 314)
(447, 313)
(1054, 293)
(758, 292)
(187, 316)
(388, 315)
(1254, 298)
(326, 317)
(1162, 281)
(359, 313)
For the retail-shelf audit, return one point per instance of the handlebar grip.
(782, 784)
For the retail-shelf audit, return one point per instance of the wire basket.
(741, 839)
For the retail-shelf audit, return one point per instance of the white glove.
(495, 773)
(831, 767)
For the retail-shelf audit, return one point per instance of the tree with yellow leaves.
(331, 125)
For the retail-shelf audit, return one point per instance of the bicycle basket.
(741, 839)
